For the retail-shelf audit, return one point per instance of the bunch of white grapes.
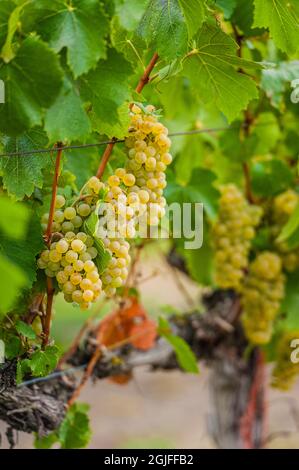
(262, 294)
(70, 259)
(232, 234)
(131, 192)
(148, 157)
(70, 219)
(283, 207)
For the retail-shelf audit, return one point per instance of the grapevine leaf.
(46, 442)
(104, 256)
(183, 352)
(41, 363)
(130, 13)
(270, 177)
(235, 145)
(164, 28)
(199, 262)
(267, 132)
(6, 8)
(22, 173)
(227, 6)
(13, 347)
(80, 27)
(74, 432)
(276, 81)
(58, 125)
(14, 218)
(189, 158)
(290, 304)
(213, 60)
(23, 368)
(107, 88)
(7, 52)
(12, 279)
(81, 166)
(200, 189)
(291, 225)
(32, 82)
(25, 329)
(129, 44)
(23, 252)
(277, 15)
(243, 18)
(194, 12)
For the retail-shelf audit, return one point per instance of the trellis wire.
(118, 141)
(54, 375)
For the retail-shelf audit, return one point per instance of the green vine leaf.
(58, 125)
(21, 174)
(163, 27)
(279, 17)
(227, 6)
(7, 52)
(104, 256)
(290, 303)
(32, 82)
(130, 13)
(194, 12)
(14, 218)
(183, 352)
(204, 192)
(107, 89)
(242, 17)
(13, 227)
(41, 363)
(290, 227)
(12, 279)
(80, 26)
(25, 330)
(270, 177)
(6, 9)
(210, 68)
(73, 433)
(22, 252)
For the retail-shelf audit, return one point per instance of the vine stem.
(256, 407)
(54, 194)
(46, 323)
(248, 119)
(141, 84)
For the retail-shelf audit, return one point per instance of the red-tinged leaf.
(121, 379)
(129, 323)
(144, 334)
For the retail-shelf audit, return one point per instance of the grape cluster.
(231, 235)
(135, 191)
(148, 157)
(70, 219)
(69, 259)
(131, 193)
(285, 370)
(262, 293)
(283, 206)
(116, 272)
